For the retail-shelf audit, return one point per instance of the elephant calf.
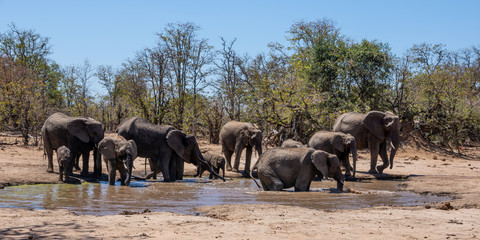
(216, 162)
(64, 160)
(118, 154)
(280, 168)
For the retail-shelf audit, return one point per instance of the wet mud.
(184, 196)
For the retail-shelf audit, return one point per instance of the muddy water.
(183, 197)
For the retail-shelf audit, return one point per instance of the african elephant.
(338, 143)
(280, 168)
(63, 158)
(74, 133)
(371, 131)
(234, 137)
(118, 154)
(216, 161)
(290, 143)
(166, 147)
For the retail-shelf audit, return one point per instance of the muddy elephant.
(167, 148)
(118, 154)
(216, 162)
(372, 130)
(280, 168)
(290, 143)
(234, 137)
(338, 143)
(74, 133)
(63, 158)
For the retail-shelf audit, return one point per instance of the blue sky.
(109, 32)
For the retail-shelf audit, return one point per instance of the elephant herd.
(168, 149)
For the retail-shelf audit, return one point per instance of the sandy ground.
(428, 171)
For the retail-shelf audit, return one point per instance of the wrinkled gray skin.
(63, 158)
(338, 143)
(74, 133)
(167, 148)
(372, 130)
(280, 168)
(118, 154)
(216, 161)
(234, 137)
(290, 143)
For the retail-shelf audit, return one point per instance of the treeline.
(291, 91)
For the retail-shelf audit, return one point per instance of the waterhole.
(184, 196)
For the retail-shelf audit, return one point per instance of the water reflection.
(184, 196)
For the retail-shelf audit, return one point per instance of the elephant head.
(329, 166)
(384, 126)
(186, 147)
(86, 129)
(252, 137)
(346, 143)
(119, 151)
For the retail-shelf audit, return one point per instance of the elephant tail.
(251, 175)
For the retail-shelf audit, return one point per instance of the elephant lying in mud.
(118, 154)
(280, 168)
(290, 143)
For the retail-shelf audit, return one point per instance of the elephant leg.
(238, 153)
(248, 159)
(154, 168)
(384, 156)
(228, 157)
(60, 172)
(85, 156)
(270, 183)
(97, 159)
(49, 152)
(111, 172)
(76, 166)
(166, 166)
(180, 165)
(346, 164)
(374, 149)
(123, 172)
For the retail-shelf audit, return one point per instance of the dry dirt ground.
(430, 172)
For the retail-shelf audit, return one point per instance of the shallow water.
(184, 196)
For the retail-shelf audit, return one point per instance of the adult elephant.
(234, 137)
(74, 133)
(280, 168)
(118, 154)
(338, 143)
(167, 148)
(372, 130)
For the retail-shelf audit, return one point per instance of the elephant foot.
(348, 174)
(380, 169)
(373, 171)
(84, 174)
(229, 168)
(49, 170)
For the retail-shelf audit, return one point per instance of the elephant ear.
(338, 142)
(107, 148)
(373, 122)
(134, 148)
(319, 160)
(78, 128)
(176, 140)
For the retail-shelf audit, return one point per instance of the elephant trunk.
(97, 161)
(353, 150)
(129, 165)
(395, 144)
(258, 148)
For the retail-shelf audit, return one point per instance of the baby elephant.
(280, 168)
(216, 162)
(118, 154)
(64, 159)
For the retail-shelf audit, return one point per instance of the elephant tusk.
(391, 144)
